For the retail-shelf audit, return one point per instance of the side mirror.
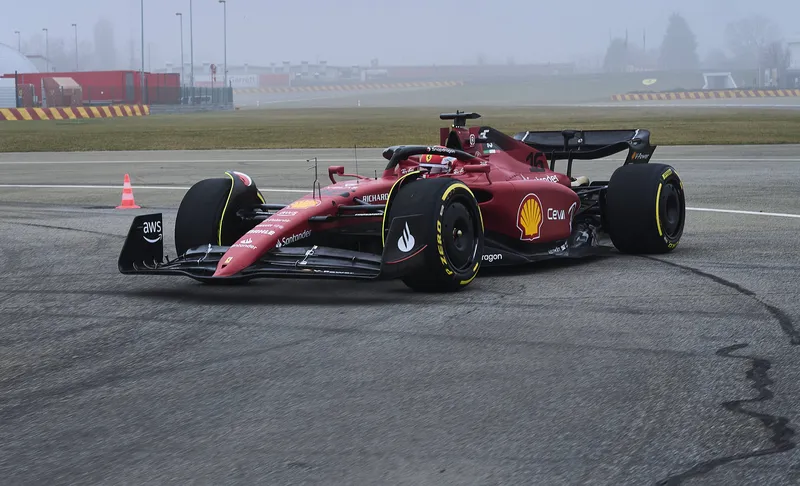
(479, 169)
(335, 169)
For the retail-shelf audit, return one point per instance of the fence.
(157, 95)
(186, 95)
(28, 96)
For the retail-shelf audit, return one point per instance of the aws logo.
(529, 218)
(150, 228)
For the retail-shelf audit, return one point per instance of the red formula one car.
(433, 218)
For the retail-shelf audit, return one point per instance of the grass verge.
(382, 127)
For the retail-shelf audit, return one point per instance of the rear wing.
(590, 144)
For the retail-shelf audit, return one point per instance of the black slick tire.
(455, 247)
(645, 209)
(199, 214)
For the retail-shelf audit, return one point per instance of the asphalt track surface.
(680, 369)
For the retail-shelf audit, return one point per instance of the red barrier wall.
(273, 80)
(109, 86)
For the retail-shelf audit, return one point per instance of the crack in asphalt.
(783, 319)
(458, 338)
(780, 433)
(30, 401)
(65, 228)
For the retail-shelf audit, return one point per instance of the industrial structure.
(793, 72)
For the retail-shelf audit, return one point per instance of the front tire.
(645, 208)
(455, 248)
(207, 215)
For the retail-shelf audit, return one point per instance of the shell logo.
(304, 204)
(529, 217)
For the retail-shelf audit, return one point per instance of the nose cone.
(243, 253)
(285, 227)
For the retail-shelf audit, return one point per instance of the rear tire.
(454, 252)
(645, 208)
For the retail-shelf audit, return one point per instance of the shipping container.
(111, 87)
(162, 88)
(62, 92)
(27, 96)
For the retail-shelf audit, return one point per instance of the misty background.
(591, 34)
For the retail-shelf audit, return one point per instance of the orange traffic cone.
(127, 195)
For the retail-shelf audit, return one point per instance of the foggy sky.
(346, 32)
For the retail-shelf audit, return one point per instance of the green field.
(382, 127)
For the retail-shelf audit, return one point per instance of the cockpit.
(437, 164)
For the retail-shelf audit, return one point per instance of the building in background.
(11, 60)
(793, 72)
(8, 93)
(41, 63)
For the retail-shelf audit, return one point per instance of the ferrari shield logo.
(304, 204)
(529, 218)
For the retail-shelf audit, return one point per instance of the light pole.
(225, 41)
(191, 44)
(183, 81)
(76, 45)
(46, 51)
(19, 41)
(142, 36)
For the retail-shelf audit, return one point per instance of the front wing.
(294, 262)
(143, 253)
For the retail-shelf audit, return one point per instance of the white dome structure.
(12, 60)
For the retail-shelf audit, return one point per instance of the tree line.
(752, 42)
(100, 53)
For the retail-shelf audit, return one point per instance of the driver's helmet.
(436, 164)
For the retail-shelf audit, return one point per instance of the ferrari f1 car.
(433, 218)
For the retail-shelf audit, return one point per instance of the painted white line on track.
(304, 191)
(737, 211)
(322, 160)
(628, 104)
